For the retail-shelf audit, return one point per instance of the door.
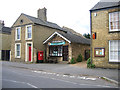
(87, 54)
(29, 52)
(65, 53)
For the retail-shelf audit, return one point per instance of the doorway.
(29, 51)
(65, 53)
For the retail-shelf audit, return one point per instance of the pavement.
(111, 75)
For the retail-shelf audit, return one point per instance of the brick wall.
(100, 25)
(79, 49)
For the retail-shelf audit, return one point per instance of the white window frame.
(16, 33)
(112, 30)
(26, 33)
(16, 50)
(109, 52)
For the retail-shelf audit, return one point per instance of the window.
(114, 21)
(55, 51)
(29, 32)
(17, 50)
(114, 51)
(18, 33)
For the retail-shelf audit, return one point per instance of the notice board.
(99, 52)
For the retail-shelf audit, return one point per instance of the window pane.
(29, 32)
(18, 33)
(18, 53)
(114, 21)
(55, 50)
(18, 49)
(114, 50)
(29, 35)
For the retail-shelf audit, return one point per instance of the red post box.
(40, 56)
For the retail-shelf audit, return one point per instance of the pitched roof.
(70, 38)
(6, 30)
(69, 30)
(44, 23)
(103, 5)
(76, 38)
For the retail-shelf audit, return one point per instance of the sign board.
(99, 52)
(57, 43)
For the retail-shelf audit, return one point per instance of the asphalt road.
(13, 77)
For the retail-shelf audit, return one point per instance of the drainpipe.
(91, 35)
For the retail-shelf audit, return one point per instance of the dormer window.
(18, 33)
(28, 32)
(114, 21)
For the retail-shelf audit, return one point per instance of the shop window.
(55, 51)
(114, 51)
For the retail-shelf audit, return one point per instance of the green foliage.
(89, 64)
(86, 35)
(72, 61)
(79, 58)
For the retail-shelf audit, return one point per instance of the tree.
(86, 35)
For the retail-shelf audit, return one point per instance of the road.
(15, 77)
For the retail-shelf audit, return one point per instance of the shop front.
(57, 48)
(62, 47)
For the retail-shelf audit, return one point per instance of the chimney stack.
(42, 14)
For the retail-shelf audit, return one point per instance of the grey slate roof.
(103, 5)
(75, 38)
(6, 30)
(72, 38)
(44, 23)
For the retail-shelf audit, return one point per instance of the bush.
(72, 61)
(89, 64)
(79, 58)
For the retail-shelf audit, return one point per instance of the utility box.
(40, 57)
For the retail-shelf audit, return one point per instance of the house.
(28, 33)
(105, 31)
(63, 46)
(5, 41)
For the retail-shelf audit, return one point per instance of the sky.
(73, 14)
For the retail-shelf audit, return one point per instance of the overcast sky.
(70, 13)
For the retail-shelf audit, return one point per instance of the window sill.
(114, 31)
(17, 39)
(114, 61)
(28, 39)
(18, 57)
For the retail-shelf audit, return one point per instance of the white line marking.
(72, 76)
(20, 82)
(91, 79)
(32, 85)
(64, 80)
(81, 77)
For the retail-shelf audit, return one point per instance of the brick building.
(105, 30)
(63, 46)
(5, 42)
(28, 33)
